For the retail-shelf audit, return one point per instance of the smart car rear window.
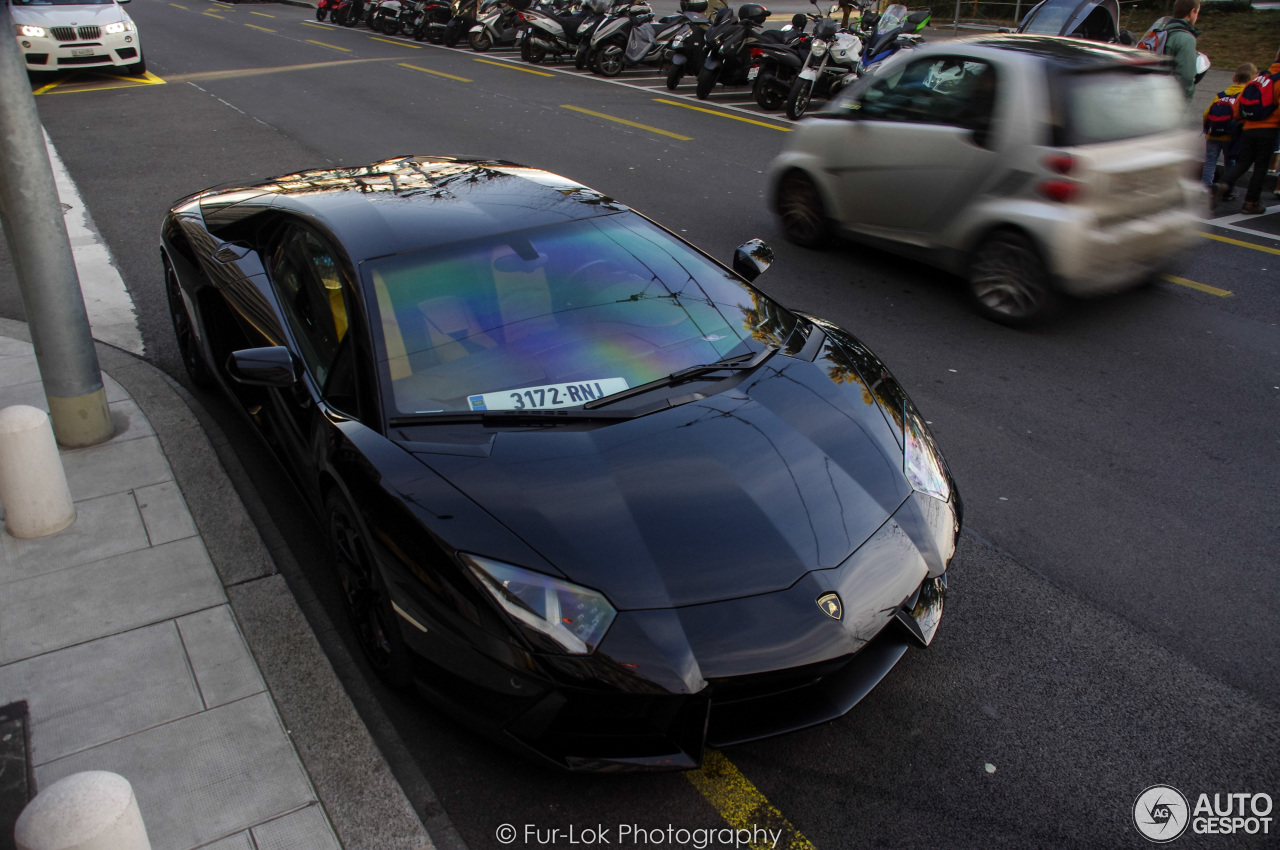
(1109, 106)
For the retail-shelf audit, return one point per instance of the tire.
(452, 35)
(480, 41)
(184, 332)
(767, 96)
(674, 76)
(798, 98)
(339, 18)
(1009, 283)
(391, 26)
(609, 60)
(434, 35)
(365, 594)
(320, 14)
(580, 59)
(532, 52)
(707, 78)
(800, 211)
(419, 30)
(137, 69)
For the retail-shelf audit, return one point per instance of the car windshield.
(1113, 105)
(556, 316)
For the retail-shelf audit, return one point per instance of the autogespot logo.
(1160, 813)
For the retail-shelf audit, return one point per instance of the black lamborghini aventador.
(580, 480)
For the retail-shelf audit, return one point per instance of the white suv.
(57, 35)
(1032, 166)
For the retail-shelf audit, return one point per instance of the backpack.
(1155, 41)
(1258, 100)
(1220, 121)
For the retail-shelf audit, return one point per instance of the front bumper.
(103, 51)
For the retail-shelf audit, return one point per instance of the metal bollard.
(94, 810)
(33, 486)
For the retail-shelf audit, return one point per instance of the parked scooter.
(777, 60)
(549, 31)
(688, 50)
(728, 58)
(432, 19)
(465, 14)
(497, 25)
(391, 17)
(650, 43)
(609, 41)
(346, 12)
(832, 64)
(322, 9)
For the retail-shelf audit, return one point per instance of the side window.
(949, 90)
(305, 273)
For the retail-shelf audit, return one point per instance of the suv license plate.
(82, 51)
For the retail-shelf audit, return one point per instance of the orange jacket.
(1272, 120)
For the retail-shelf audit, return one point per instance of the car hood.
(738, 494)
(68, 16)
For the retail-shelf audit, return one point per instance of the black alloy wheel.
(1009, 283)
(798, 99)
(674, 76)
(532, 51)
(184, 331)
(367, 600)
(769, 96)
(609, 60)
(707, 79)
(801, 211)
(480, 41)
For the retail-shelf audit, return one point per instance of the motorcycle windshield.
(893, 17)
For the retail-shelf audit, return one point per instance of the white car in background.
(57, 35)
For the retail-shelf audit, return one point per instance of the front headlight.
(920, 458)
(118, 26)
(574, 617)
(28, 31)
(818, 47)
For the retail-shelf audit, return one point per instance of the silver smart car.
(1032, 166)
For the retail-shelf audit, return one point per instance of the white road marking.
(112, 316)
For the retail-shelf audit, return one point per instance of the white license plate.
(82, 51)
(754, 72)
(547, 396)
(809, 74)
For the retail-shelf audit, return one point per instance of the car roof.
(411, 202)
(1069, 54)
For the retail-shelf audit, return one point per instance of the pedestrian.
(1222, 127)
(1257, 105)
(1180, 43)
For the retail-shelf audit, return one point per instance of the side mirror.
(751, 258)
(264, 367)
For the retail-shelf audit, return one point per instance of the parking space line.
(1242, 243)
(429, 71)
(256, 27)
(1203, 287)
(514, 67)
(262, 14)
(330, 46)
(390, 41)
(721, 114)
(741, 804)
(628, 123)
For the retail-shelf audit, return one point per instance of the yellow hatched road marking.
(264, 29)
(77, 84)
(1240, 243)
(509, 66)
(262, 14)
(401, 43)
(628, 123)
(331, 46)
(742, 805)
(721, 114)
(1203, 287)
(437, 73)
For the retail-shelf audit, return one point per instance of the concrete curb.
(365, 802)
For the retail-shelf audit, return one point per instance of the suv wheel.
(1008, 281)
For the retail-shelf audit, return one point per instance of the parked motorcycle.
(322, 9)
(552, 31)
(777, 60)
(391, 17)
(609, 41)
(831, 65)
(465, 14)
(896, 30)
(346, 12)
(499, 24)
(728, 58)
(688, 50)
(432, 19)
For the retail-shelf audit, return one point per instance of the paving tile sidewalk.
(129, 645)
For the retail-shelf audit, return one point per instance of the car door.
(917, 145)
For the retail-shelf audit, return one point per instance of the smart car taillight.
(1062, 191)
(1060, 163)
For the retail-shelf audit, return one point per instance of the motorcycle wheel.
(800, 210)
(338, 18)
(609, 60)
(391, 26)
(707, 78)
(580, 59)
(768, 97)
(434, 35)
(532, 52)
(452, 35)
(320, 13)
(674, 76)
(480, 41)
(798, 99)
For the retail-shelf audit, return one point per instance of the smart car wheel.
(1008, 280)
(365, 594)
(183, 330)
(799, 207)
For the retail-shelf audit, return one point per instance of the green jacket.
(1181, 47)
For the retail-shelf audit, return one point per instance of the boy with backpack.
(1176, 38)
(1259, 106)
(1222, 128)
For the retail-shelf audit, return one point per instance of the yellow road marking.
(401, 43)
(741, 804)
(1241, 243)
(212, 15)
(262, 14)
(721, 114)
(331, 46)
(515, 67)
(264, 29)
(1203, 287)
(437, 73)
(257, 72)
(75, 85)
(628, 123)
(179, 6)
(310, 24)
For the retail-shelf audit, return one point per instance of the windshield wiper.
(743, 363)
(511, 417)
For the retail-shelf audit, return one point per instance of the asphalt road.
(1112, 619)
